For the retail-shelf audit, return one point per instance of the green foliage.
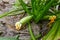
(57, 37)
(39, 8)
(51, 34)
(25, 7)
(45, 9)
(10, 12)
(17, 4)
(9, 38)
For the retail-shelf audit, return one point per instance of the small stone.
(1, 32)
(6, 0)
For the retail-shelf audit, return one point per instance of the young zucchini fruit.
(23, 21)
(52, 32)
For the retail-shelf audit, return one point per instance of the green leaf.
(9, 38)
(10, 12)
(51, 34)
(45, 9)
(31, 33)
(57, 37)
(25, 7)
(17, 4)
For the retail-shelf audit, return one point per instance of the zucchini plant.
(38, 10)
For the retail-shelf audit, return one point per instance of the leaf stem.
(30, 31)
(8, 13)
